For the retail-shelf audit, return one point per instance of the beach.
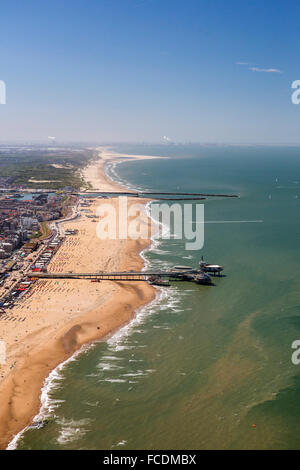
(96, 175)
(58, 317)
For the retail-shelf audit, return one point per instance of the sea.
(200, 367)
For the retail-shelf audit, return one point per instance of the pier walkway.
(115, 276)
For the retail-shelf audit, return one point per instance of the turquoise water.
(200, 365)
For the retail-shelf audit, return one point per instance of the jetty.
(153, 194)
(177, 273)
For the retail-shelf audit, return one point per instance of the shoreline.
(20, 406)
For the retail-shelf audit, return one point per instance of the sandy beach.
(58, 316)
(95, 173)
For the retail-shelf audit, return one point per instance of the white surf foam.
(48, 404)
(115, 342)
(71, 430)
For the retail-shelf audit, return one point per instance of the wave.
(110, 170)
(117, 342)
(71, 430)
(48, 404)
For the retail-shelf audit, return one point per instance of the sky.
(217, 71)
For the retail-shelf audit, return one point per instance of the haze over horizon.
(150, 71)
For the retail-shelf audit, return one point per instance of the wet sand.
(57, 317)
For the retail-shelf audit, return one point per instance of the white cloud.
(242, 63)
(258, 69)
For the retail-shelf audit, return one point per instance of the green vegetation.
(37, 234)
(45, 230)
(44, 168)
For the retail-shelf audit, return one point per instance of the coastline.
(99, 179)
(66, 330)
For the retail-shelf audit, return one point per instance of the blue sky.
(138, 70)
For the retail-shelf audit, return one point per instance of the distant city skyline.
(207, 71)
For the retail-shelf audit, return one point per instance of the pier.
(177, 273)
(109, 276)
